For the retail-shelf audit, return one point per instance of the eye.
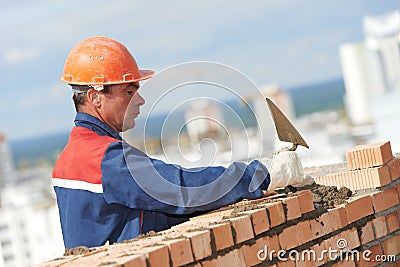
(130, 92)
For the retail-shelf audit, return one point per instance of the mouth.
(135, 115)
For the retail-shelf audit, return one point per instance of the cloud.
(14, 56)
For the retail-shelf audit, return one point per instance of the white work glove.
(286, 169)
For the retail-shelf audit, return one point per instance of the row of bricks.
(365, 157)
(246, 227)
(200, 244)
(307, 230)
(375, 255)
(369, 155)
(370, 166)
(297, 234)
(266, 248)
(365, 178)
(379, 227)
(333, 220)
(360, 207)
(356, 209)
(218, 235)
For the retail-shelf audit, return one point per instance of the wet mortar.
(330, 197)
(76, 251)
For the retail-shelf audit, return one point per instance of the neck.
(95, 113)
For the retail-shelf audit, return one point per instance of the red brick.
(156, 256)
(180, 251)
(398, 190)
(303, 263)
(368, 256)
(222, 235)
(232, 258)
(259, 220)
(358, 208)
(292, 208)
(391, 246)
(276, 213)
(242, 228)
(344, 263)
(261, 250)
(310, 257)
(295, 235)
(191, 224)
(201, 244)
(394, 168)
(127, 260)
(213, 215)
(351, 240)
(370, 155)
(89, 259)
(305, 200)
(287, 263)
(328, 222)
(358, 179)
(319, 257)
(367, 233)
(379, 226)
(392, 221)
(55, 263)
(383, 200)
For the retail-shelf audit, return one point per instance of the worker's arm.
(133, 179)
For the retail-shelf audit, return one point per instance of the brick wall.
(286, 229)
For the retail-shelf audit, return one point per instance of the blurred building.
(204, 119)
(371, 71)
(6, 163)
(30, 231)
(29, 226)
(382, 40)
(355, 75)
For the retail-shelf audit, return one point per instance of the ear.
(94, 97)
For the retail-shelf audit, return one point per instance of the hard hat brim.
(143, 75)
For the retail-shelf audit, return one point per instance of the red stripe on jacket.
(82, 157)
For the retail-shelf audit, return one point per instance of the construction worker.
(95, 177)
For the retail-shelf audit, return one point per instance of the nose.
(139, 100)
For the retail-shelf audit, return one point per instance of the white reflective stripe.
(73, 184)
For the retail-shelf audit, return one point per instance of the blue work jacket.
(102, 186)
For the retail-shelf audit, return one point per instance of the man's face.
(115, 103)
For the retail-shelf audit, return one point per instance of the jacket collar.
(92, 123)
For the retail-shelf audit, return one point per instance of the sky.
(290, 43)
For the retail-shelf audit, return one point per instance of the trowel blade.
(285, 129)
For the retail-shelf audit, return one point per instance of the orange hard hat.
(101, 61)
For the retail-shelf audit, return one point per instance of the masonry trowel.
(285, 129)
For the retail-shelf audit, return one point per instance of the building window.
(3, 228)
(8, 258)
(5, 243)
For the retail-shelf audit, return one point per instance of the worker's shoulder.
(86, 135)
(83, 154)
(84, 141)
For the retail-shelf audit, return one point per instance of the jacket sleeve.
(133, 179)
